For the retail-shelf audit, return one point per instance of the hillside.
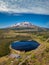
(39, 56)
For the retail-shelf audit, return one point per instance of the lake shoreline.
(24, 45)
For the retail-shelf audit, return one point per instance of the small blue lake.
(25, 45)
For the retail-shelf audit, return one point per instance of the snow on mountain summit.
(22, 24)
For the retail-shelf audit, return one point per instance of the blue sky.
(14, 11)
(7, 19)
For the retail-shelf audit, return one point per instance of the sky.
(34, 11)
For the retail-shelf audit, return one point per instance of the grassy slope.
(40, 56)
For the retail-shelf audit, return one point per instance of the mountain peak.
(27, 26)
(22, 24)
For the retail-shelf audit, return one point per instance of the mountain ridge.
(22, 24)
(27, 26)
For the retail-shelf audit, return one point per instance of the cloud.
(25, 6)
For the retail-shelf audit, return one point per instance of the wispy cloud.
(25, 6)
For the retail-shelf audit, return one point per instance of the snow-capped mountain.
(22, 24)
(27, 26)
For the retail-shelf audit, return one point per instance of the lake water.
(25, 45)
